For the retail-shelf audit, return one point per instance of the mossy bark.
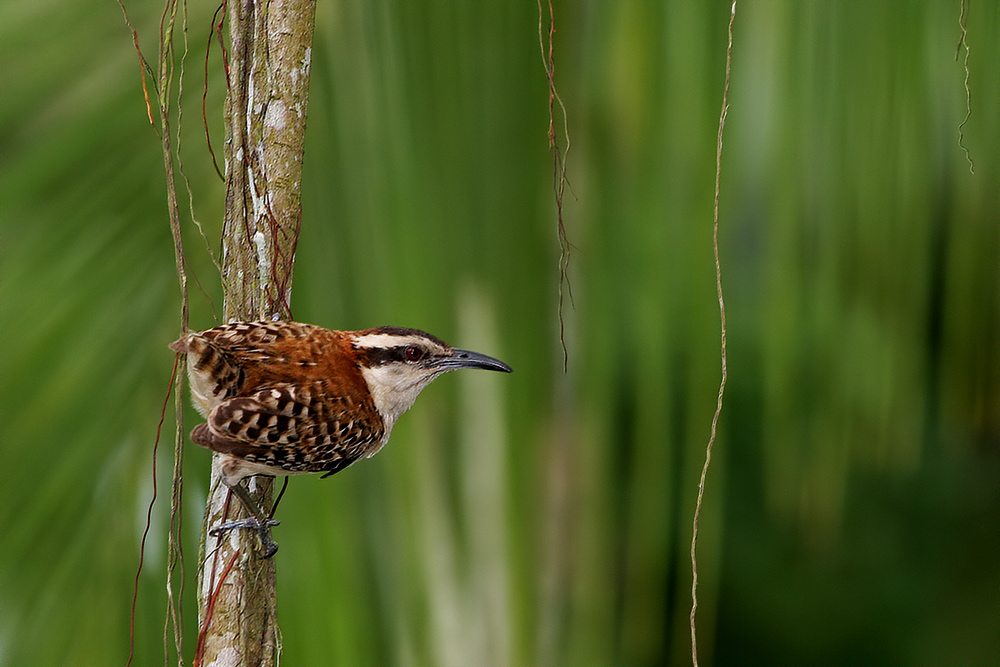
(268, 87)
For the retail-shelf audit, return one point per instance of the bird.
(288, 398)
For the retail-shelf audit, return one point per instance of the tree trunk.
(268, 85)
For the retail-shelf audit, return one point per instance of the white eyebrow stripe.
(388, 340)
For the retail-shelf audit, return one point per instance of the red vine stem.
(559, 180)
(199, 654)
(149, 517)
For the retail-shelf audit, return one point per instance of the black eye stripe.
(379, 356)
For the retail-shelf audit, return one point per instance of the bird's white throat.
(394, 388)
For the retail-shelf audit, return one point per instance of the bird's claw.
(252, 523)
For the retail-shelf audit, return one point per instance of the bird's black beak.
(468, 359)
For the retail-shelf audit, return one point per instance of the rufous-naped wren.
(284, 398)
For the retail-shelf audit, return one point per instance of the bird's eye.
(413, 353)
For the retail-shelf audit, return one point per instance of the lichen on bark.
(265, 113)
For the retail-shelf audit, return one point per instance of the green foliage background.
(541, 518)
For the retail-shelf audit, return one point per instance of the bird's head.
(398, 363)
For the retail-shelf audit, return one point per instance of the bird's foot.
(252, 523)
